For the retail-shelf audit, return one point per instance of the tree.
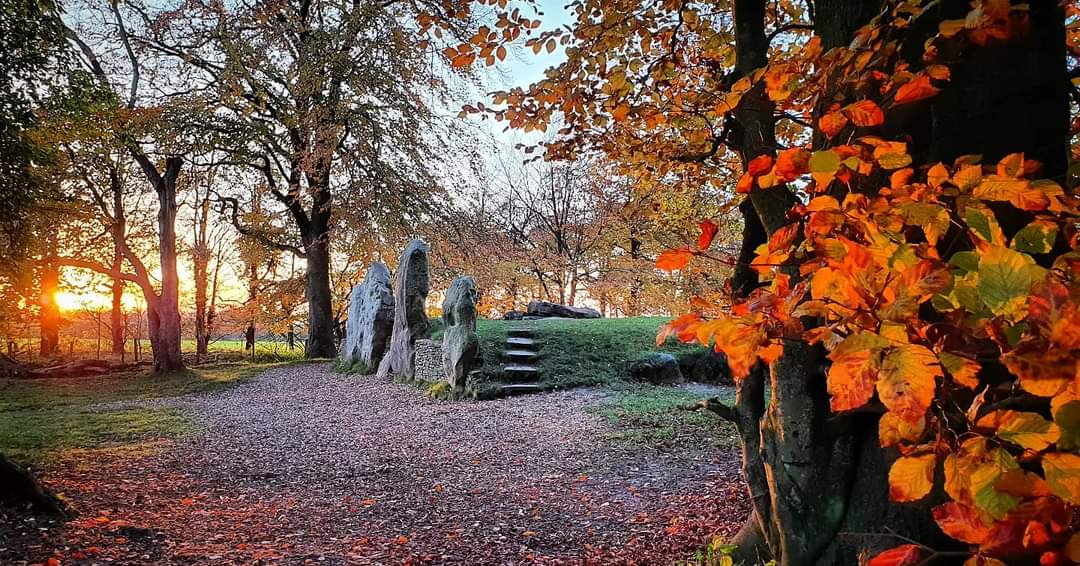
(907, 279)
(162, 173)
(321, 99)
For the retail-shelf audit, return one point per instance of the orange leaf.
(908, 379)
(893, 430)
(918, 88)
(911, 477)
(831, 123)
(791, 163)
(864, 113)
(961, 522)
(903, 555)
(672, 260)
(620, 112)
(708, 232)
(854, 369)
(784, 237)
(900, 177)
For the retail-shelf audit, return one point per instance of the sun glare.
(68, 301)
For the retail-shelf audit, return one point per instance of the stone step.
(521, 388)
(522, 332)
(522, 342)
(523, 355)
(522, 371)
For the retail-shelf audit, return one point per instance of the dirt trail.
(303, 465)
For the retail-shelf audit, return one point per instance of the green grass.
(42, 418)
(575, 353)
(656, 416)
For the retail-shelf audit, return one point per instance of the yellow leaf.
(964, 371)
(1005, 282)
(1062, 472)
(1028, 430)
(823, 166)
(890, 161)
(911, 477)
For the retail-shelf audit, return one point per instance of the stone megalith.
(371, 319)
(410, 318)
(460, 344)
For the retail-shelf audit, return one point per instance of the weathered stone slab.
(545, 309)
(410, 318)
(460, 344)
(371, 319)
(658, 369)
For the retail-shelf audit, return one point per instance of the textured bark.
(19, 487)
(165, 322)
(118, 230)
(49, 320)
(200, 260)
(320, 341)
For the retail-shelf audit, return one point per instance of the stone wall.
(428, 361)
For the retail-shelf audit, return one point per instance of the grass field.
(656, 416)
(42, 418)
(576, 353)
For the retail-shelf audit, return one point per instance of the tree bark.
(200, 259)
(50, 311)
(164, 308)
(320, 340)
(118, 230)
(19, 487)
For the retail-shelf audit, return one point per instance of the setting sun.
(89, 301)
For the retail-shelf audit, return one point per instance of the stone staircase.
(519, 361)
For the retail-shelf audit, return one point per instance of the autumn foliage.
(920, 296)
(945, 293)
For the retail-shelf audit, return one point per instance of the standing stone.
(460, 344)
(371, 319)
(410, 319)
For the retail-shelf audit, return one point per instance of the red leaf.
(903, 555)
(708, 232)
(917, 88)
(961, 522)
(759, 165)
(672, 260)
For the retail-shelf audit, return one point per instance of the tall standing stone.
(371, 319)
(410, 319)
(460, 344)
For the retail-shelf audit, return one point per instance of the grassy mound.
(575, 353)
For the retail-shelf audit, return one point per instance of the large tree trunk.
(116, 315)
(320, 341)
(165, 311)
(818, 482)
(118, 229)
(50, 311)
(200, 259)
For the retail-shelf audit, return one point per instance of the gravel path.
(303, 464)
